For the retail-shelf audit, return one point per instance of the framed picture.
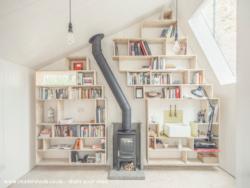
(78, 64)
(139, 92)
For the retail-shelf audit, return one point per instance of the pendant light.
(176, 47)
(70, 37)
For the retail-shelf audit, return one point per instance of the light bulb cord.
(69, 11)
(176, 13)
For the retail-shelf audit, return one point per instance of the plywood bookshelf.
(74, 94)
(185, 75)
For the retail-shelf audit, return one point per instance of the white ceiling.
(33, 32)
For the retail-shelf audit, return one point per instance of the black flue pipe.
(111, 80)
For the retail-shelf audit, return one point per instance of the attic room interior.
(121, 93)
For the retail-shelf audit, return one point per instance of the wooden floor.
(167, 177)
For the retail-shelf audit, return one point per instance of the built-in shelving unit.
(165, 78)
(70, 116)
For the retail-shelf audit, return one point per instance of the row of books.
(85, 79)
(85, 93)
(53, 93)
(92, 131)
(80, 157)
(141, 78)
(171, 92)
(139, 48)
(79, 131)
(159, 78)
(196, 78)
(158, 64)
(168, 32)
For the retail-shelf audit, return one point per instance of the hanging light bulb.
(176, 47)
(70, 37)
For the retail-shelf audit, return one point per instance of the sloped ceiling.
(34, 32)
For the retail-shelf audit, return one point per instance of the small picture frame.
(78, 64)
(139, 92)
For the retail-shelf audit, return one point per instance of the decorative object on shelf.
(201, 116)
(154, 130)
(173, 116)
(99, 114)
(70, 37)
(78, 63)
(178, 130)
(139, 92)
(60, 146)
(207, 142)
(66, 120)
(78, 144)
(194, 129)
(45, 133)
(51, 115)
(153, 94)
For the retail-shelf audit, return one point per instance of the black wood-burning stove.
(126, 151)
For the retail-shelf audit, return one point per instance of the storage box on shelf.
(70, 117)
(165, 78)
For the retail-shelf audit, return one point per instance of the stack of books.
(160, 78)
(85, 93)
(139, 48)
(45, 133)
(142, 78)
(169, 32)
(85, 79)
(53, 93)
(196, 78)
(84, 131)
(67, 130)
(171, 93)
(97, 131)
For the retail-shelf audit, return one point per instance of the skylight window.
(214, 25)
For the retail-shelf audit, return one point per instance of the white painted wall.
(16, 119)
(226, 93)
(243, 100)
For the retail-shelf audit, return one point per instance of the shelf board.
(53, 161)
(87, 164)
(65, 162)
(178, 162)
(149, 40)
(69, 138)
(163, 71)
(87, 99)
(69, 150)
(180, 99)
(158, 23)
(46, 124)
(170, 149)
(169, 85)
(129, 57)
(73, 123)
(67, 86)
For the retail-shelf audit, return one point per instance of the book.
(132, 48)
(147, 47)
(143, 48)
(116, 50)
(136, 49)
